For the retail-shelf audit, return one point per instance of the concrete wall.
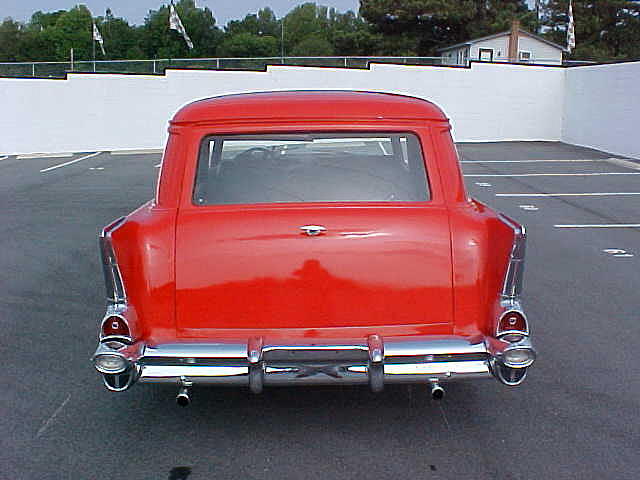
(602, 108)
(109, 112)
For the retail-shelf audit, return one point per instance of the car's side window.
(322, 167)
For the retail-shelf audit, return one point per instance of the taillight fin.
(113, 279)
(513, 281)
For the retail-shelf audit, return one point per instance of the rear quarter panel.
(481, 245)
(145, 250)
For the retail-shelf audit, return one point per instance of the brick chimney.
(513, 41)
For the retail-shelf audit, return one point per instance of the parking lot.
(576, 416)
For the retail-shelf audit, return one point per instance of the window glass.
(320, 167)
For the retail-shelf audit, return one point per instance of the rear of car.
(312, 238)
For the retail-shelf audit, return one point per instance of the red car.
(312, 237)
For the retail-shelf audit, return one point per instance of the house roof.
(496, 35)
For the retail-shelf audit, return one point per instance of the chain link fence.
(158, 66)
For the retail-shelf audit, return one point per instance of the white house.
(515, 45)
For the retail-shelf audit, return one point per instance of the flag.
(176, 24)
(98, 38)
(538, 6)
(571, 30)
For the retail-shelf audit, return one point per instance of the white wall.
(90, 112)
(602, 108)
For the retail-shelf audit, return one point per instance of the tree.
(262, 23)
(120, 39)
(158, 41)
(605, 30)
(249, 45)
(312, 46)
(431, 24)
(72, 30)
(9, 40)
(303, 22)
(351, 35)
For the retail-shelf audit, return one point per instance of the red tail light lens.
(512, 321)
(115, 326)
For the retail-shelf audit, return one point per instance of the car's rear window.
(345, 167)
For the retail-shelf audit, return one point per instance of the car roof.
(316, 104)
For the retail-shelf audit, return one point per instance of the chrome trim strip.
(116, 294)
(513, 281)
(445, 346)
(198, 350)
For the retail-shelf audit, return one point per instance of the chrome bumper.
(374, 362)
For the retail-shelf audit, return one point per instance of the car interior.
(310, 168)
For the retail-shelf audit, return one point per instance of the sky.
(135, 10)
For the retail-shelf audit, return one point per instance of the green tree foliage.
(246, 44)
(121, 40)
(262, 23)
(71, 30)
(314, 30)
(158, 42)
(313, 45)
(605, 30)
(10, 40)
(257, 35)
(303, 22)
(422, 26)
(352, 35)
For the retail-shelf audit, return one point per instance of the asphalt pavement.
(576, 416)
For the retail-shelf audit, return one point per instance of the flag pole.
(93, 42)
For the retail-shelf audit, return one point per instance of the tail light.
(115, 326)
(512, 326)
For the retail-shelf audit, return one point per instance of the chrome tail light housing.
(512, 325)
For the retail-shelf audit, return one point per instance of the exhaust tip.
(437, 392)
(183, 399)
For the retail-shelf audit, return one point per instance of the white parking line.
(624, 163)
(539, 161)
(601, 225)
(136, 152)
(587, 194)
(618, 252)
(43, 155)
(46, 424)
(44, 170)
(476, 175)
